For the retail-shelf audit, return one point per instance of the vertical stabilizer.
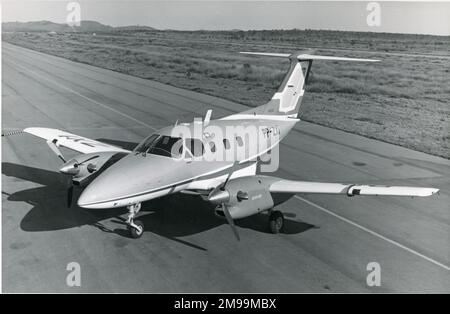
(288, 98)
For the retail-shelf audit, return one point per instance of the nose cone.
(131, 176)
(89, 197)
(219, 196)
(71, 167)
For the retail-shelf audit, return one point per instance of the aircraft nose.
(88, 197)
(127, 178)
(104, 191)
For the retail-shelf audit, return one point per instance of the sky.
(426, 17)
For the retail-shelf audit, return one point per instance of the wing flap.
(75, 142)
(289, 186)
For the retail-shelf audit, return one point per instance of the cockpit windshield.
(161, 145)
(146, 144)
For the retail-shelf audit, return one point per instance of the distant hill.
(85, 27)
(40, 26)
(134, 28)
(93, 26)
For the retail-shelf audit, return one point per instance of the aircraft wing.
(72, 141)
(289, 186)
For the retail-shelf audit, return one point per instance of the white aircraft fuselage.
(142, 176)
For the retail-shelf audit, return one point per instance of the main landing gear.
(276, 221)
(136, 228)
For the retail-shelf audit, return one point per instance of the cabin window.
(226, 143)
(195, 146)
(239, 141)
(212, 147)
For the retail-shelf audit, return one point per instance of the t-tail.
(288, 98)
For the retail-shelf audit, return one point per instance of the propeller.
(221, 196)
(89, 159)
(69, 193)
(230, 221)
(71, 168)
(226, 180)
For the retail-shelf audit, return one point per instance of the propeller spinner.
(72, 168)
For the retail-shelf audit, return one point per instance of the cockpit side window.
(195, 146)
(146, 144)
(167, 146)
(161, 145)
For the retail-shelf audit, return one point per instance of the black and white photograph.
(242, 150)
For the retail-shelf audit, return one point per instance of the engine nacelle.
(82, 166)
(244, 196)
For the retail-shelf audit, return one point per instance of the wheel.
(136, 232)
(276, 221)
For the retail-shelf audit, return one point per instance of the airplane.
(215, 159)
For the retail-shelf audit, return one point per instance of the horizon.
(421, 18)
(231, 30)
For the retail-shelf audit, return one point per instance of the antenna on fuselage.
(207, 117)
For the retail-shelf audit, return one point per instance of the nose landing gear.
(136, 228)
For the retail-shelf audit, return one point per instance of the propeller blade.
(230, 221)
(213, 191)
(69, 196)
(69, 193)
(53, 146)
(226, 181)
(222, 187)
(93, 157)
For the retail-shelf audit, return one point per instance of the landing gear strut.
(276, 221)
(136, 228)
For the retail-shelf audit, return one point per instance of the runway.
(328, 241)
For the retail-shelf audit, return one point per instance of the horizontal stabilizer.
(304, 57)
(267, 54)
(330, 58)
(289, 186)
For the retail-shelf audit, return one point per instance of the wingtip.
(434, 191)
(30, 130)
(429, 192)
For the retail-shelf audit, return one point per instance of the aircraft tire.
(135, 233)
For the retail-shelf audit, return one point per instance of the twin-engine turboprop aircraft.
(216, 159)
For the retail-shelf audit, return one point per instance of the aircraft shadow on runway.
(172, 216)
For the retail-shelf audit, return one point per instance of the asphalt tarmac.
(328, 241)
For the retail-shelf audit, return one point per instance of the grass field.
(405, 99)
